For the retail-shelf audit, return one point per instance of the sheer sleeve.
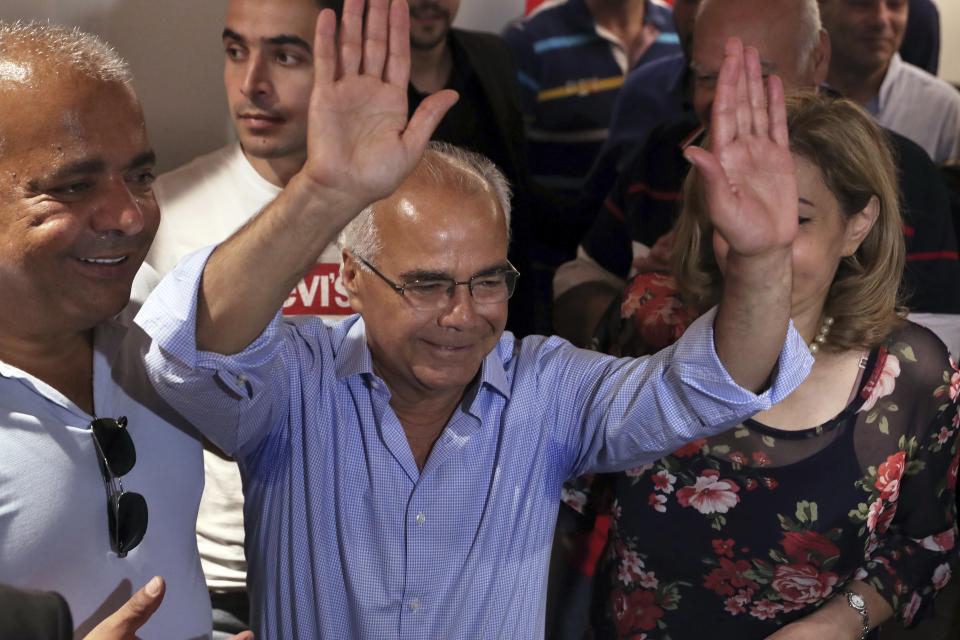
(909, 515)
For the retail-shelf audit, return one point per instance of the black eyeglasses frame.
(511, 283)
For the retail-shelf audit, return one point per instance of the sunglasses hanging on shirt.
(126, 511)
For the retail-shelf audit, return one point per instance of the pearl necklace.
(821, 336)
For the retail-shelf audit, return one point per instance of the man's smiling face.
(77, 212)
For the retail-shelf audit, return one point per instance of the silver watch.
(859, 605)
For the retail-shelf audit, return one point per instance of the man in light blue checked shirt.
(402, 470)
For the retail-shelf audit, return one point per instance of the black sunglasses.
(126, 511)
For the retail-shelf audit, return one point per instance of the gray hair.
(446, 165)
(24, 44)
(808, 31)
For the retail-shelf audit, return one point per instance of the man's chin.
(266, 149)
(428, 44)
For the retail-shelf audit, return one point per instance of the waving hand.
(750, 188)
(360, 147)
(748, 173)
(360, 142)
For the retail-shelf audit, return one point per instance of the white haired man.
(402, 469)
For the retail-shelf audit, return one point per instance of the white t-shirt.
(206, 200)
(202, 203)
(53, 504)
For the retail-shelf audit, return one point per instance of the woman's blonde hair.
(854, 158)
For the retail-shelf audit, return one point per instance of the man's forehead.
(711, 66)
(426, 197)
(776, 43)
(271, 19)
(63, 116)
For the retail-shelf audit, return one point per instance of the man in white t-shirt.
(268, 75)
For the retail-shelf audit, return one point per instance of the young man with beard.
(486, 118)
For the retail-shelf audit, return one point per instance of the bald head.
(28, 48)
(443, 167)
(787, 34)
(33, 54)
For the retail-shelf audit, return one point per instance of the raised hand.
(360, 144)
(360, 147)
(748, 173)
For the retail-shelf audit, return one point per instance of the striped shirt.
(570, 71)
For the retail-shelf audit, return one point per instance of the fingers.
(397, 72)
(380, 49)
(351, 37)
(324, 48)
(375, 38)
(243, 635)
(756, 94)
(134, 613)
(744, 116)
(426, 118)
(778, 112)
(717, 191)
(743, 106)
(723, 119)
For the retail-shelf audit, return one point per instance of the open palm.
(360, 143)
(749, 177)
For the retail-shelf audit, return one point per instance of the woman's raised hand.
(748, 173)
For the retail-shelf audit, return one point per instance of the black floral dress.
(736, 535)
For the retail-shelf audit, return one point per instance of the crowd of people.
(304, 385)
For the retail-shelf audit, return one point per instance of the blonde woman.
(834, 510)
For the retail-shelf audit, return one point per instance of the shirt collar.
(352, 355)
(889, 78)
(493, 370)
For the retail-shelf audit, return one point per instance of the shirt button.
(414, 605)
(242, 379)
(421, 518)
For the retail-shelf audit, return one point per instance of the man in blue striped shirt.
(572, 58)
(402, 469)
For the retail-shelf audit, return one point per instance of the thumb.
(124, 622)
(426, 118)
(720, 201)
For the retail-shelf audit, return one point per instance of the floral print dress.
(736, 535)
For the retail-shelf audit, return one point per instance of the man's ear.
(859, 225)
(349, 275)
(820, 58)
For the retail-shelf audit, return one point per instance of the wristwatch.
(859, 605)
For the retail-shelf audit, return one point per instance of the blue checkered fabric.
(347, 538)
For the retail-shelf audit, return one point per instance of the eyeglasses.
(433, 294)
(126, 511)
